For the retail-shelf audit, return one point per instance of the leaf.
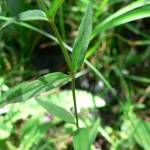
(32, 132)
(32, 15)
(136, 10)
(81, 139)
(5, 131)
(56, 111)
(82, 40)
(55, 5)
(94, 132)
(27, 90)
(29, 15)
(142, 133)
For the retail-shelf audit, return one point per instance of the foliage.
(109, 95)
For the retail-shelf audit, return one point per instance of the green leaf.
(82, 40)
(56, 111)
(94, 131)
(31, 133)
(29, 15)
(5, 130)
(142, 133)
(55, 5)
(27, 90)
(81, 139)
(136, 10)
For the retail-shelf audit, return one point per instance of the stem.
(64, 50)
(74, 100)
(68, 61)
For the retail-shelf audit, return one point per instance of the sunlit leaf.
(32, 15)
(29, 15)
(5, 131)
(142, 133)
(94, 131)
(82, 40)
(81, 139)
(56, 111)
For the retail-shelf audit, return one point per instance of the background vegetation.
(112, 88)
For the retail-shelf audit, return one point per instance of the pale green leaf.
(5, 131)
(56, 111)
(29, 15)
(94, 131)
(142, 133)
(81, 139)
(82, 40)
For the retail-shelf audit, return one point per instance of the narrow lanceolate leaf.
(29, 15)
(27, 90)
(94, 131)
(136, 10)
(81, 139)
(82, 40)
(56, 111)
(55, 5)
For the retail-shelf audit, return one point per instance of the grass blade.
(94, 131)
(81, 139)
(136, 10)
(55, 5)
(56, 111)
(29, 15)
(27, 90)
(82, 40)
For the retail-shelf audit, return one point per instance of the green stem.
(74, 100)
(67, 58)
(64, 50)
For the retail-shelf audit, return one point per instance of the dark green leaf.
(27, 90)
(81, 139)
(56, 111)
(82, 40)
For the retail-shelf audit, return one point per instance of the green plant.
(24, 91)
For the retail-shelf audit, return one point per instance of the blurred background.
(120, 86)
